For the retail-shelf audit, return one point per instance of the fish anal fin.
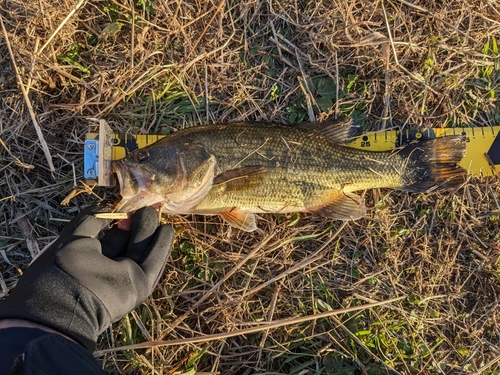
(243, 220)
(347, 206)
(340, 131)
(243, 178)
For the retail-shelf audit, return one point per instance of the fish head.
(178, 175)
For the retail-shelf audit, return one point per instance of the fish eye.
(142, 156)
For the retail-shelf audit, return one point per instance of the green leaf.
(363, 332)
(275, 92)
(324, 103)
(93, 40)
(73, 52)
(430, 63)
(356, 273)
(326, 86)
(113, 11)
(197, 355)
(419, 76)
(494, 45)
(111, 30)
(266, 60)
(74, 63)
(294, 219)
(352, 80)
(435, 314)
(272, 73)
(323, 306)
(412, 298)
(148, 5)
(486, 48)
(241, 57)
(254, 49)
(298, 369)
(127, 330)
(71, 57)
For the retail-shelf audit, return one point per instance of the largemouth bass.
(239, 170)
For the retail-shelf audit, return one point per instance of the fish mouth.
(134, 187)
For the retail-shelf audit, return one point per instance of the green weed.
(148, 6)
(72, 57)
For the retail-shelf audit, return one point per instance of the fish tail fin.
(433, 164)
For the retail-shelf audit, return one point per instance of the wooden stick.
(113, 215)
(41, 138)
(219, 8)
(56, 31)
(264, 326)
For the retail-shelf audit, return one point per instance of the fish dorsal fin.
(348, 206)
(243, 178)
(243, 220)
(340, 131)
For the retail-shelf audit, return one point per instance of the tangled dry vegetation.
(156, 66)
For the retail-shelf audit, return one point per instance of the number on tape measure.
(365, 142)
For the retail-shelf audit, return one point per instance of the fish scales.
(236, 170)
(301, 164)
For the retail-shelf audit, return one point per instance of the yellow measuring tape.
(482, 156)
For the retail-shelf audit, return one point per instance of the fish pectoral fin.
(243, 178)
(348, 206)
(243, 220)
(340, 131)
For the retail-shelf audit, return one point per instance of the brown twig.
(61, 25)
(217, 11)
(265, 326)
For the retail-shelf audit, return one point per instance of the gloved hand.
(81, 284)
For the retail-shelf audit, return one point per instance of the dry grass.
(158, 66)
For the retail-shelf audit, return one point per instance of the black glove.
(81, 284)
